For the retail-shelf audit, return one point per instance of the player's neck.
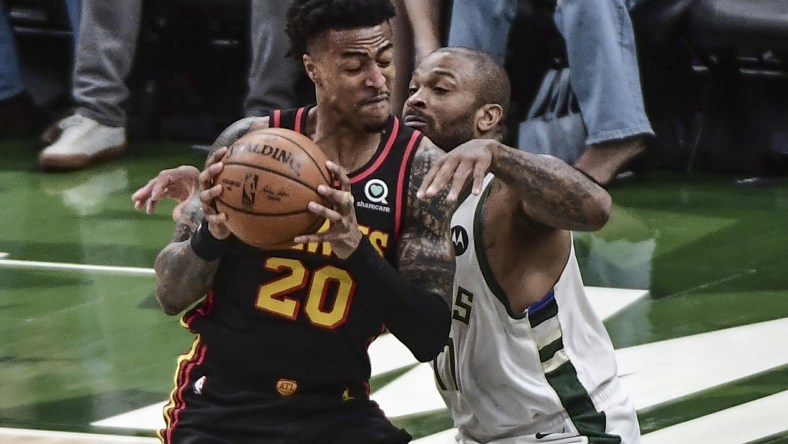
(351, 147)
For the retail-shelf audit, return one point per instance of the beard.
(450, 139)
(454, 132)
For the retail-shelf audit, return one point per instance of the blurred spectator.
(16, 106)
(104, 58)
(604, 70)
(417, 32)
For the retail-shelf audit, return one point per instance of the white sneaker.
(82, 142)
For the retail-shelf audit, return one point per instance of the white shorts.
(620, 419)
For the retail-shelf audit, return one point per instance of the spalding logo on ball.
(269, 178)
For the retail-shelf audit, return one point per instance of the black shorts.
(219, 412)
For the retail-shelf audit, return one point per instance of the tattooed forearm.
(190, 218)
(426, 253)
(552, 192)
(428, 265)
(182, 278)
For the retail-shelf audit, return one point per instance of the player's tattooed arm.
(188, 220)
(426, 253)
(551, 192)
(238, 129)
(182, 277)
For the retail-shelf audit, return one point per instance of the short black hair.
(307, 19)
(497, 88)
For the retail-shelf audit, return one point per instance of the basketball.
(269, 178)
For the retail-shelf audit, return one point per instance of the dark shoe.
(603, 161)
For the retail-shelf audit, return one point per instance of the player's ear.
(488, 117)
(311, 69)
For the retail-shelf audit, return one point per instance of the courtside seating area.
(713, 72)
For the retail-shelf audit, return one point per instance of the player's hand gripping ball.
(269, 178)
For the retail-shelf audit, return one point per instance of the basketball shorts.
(621, 425)
(210, 410)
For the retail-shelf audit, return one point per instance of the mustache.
(416, 114)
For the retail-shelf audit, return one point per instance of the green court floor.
(703, 349)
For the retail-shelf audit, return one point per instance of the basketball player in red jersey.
(280, 354)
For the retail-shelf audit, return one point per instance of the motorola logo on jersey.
(460, 239)
(376, 191)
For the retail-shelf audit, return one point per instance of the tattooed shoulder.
(238, 129)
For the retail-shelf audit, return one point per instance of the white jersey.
(515, 377)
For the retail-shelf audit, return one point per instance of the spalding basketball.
(268, 179)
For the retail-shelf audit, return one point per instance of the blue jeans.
(11, 82)
(601, 54)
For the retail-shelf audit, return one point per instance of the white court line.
(3, 255)
(61, 266)
(21, 435)
(742, 423)
(145, 418)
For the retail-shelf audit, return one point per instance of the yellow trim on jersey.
(183, 360)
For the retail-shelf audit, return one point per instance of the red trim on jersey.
(204, 309)
(183, 383)
(401, 180)
(299, 113)
(277, 118)
(389, 143)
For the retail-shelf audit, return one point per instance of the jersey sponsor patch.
(459, 238)
(376, 193)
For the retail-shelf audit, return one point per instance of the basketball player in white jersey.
(528, 361)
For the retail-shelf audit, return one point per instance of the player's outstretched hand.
(209, 191)
(175, 183)
(343, 233)
(470, 160)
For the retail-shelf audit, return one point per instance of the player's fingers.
(217, 220)
(328, 213)
(208, 175)
(161, 187)
(339, 198)
(479, 171)
(150, 205)
(207, 198)
(143, 193)
(309, 238)
(339, 174)
(443, 176)
(428, 179)
(325, 236)
(458, 181)
(215, 156)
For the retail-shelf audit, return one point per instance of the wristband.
(206, 246)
